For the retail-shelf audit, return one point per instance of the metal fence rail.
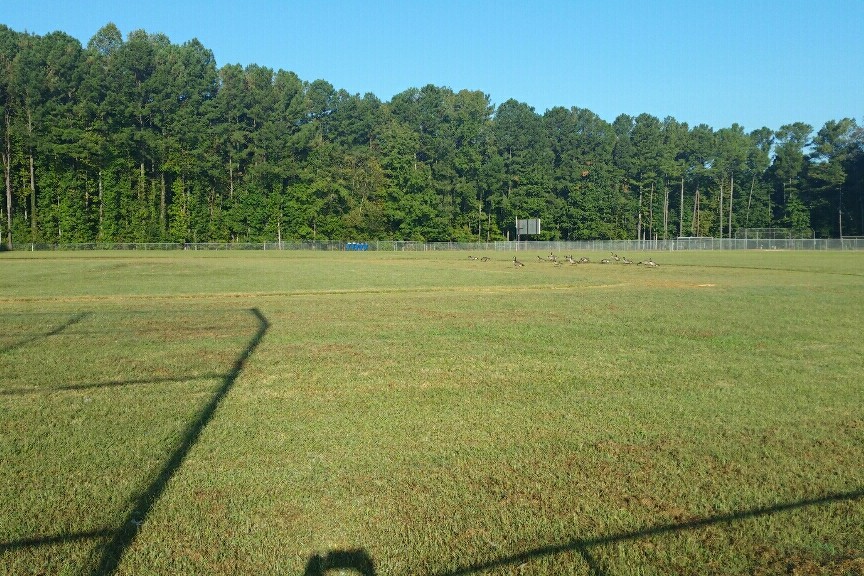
(502, 246)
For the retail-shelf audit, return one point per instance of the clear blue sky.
(754, 62)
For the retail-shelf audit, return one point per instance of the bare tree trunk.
(720, 204)
(840, 211)
(651, 211)
(142, 188)
(163, 213)
(32, 183)
(694, 225)
(731, 193)
(639, 222)
(230, 178)
(665, 211)
(7, 172)
(32, 197)
(750, 201)
(681, 210)
(101, 204)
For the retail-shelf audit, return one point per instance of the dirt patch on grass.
(677, 284)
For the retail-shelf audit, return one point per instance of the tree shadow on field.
(143, 504)
(582, 545)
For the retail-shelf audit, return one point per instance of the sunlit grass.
(439, 414)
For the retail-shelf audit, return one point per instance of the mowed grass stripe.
(454, 420)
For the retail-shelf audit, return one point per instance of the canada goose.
(472, 257)
(625, 260)
(516, 263)
(584, 260)
(540, 258)
(551, 257)
(485, 259)
(648, 262)
(605, 261)
(615, 257)
(570, 259)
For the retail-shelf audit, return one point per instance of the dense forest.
(142, 140)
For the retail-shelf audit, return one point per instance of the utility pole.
(840, 212)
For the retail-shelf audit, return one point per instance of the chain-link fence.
(695, 243)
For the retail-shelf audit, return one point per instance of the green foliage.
(150, 140)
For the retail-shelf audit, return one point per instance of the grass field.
(422, 413)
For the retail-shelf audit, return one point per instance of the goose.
(516, 263)
(615, 257)
(648, 262)
(584, 260)
(625, 260)
(485, 259)
(472, 257)
(605, 261)
(570, 259)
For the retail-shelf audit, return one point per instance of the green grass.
(434, 414)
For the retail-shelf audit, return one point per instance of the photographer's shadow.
(357, 560)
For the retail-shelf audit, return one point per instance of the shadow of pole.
(581, 546)
(57, 539)
(125, 535)
(109, 384)
(71, 322)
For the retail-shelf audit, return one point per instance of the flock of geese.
(572, 261)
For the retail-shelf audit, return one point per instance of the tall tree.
(832, 149)
(700, 153)
(788, 170)
(733, 149)
(582, 147)
(647, 140)
(673, 166)
(521, 140)
(758, 211)
(9, 41)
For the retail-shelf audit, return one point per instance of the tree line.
(143, 140)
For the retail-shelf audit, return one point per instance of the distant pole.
(840, 212)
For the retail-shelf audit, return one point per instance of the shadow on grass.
(56, 539)
(70, 322)
(582, 545)
(109, 384)
(341, 560)
(120, 538)
(143, 504)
